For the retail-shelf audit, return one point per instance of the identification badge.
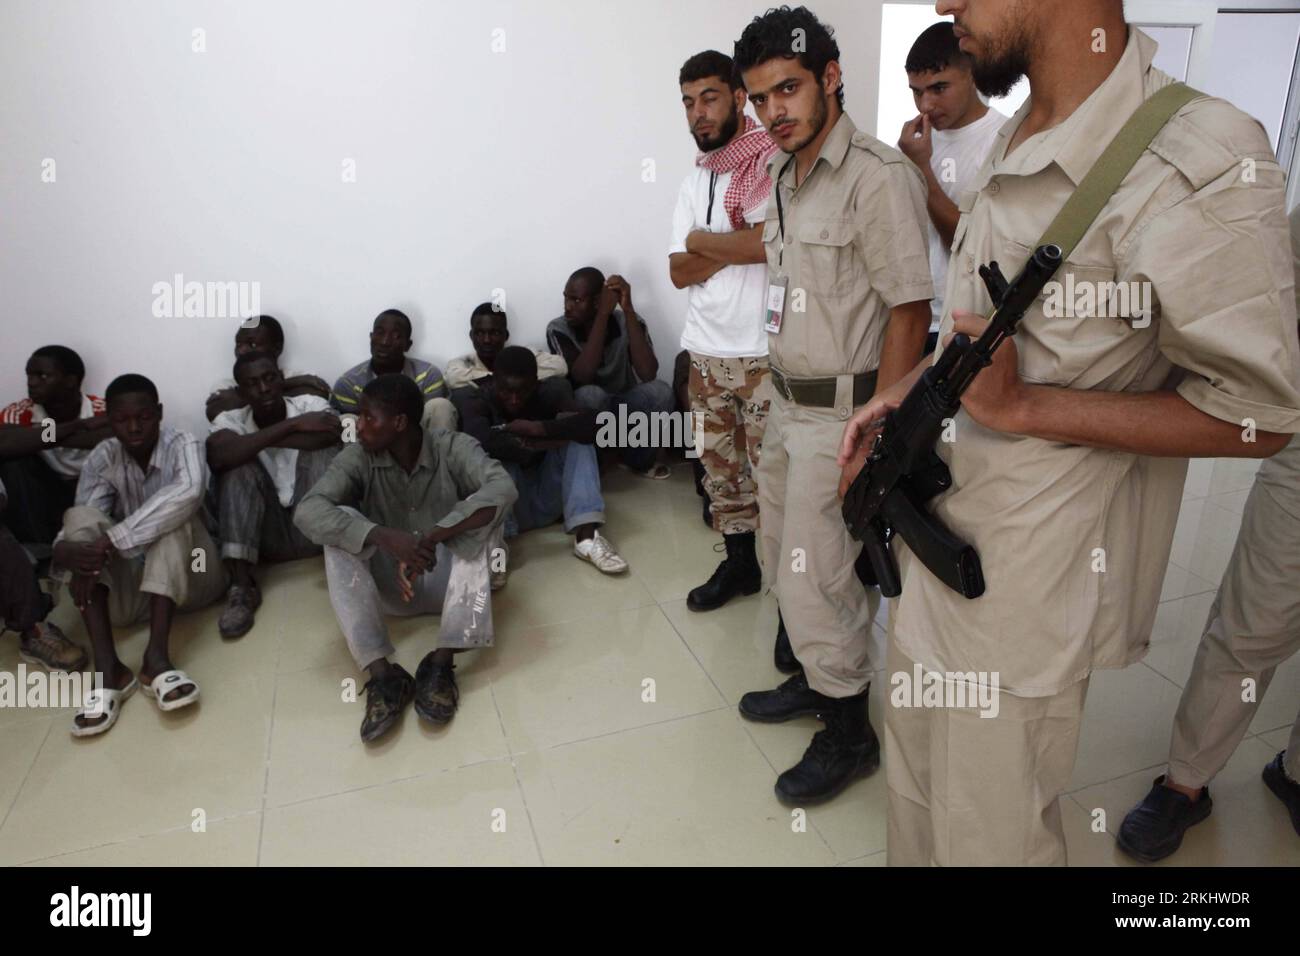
(775, 311)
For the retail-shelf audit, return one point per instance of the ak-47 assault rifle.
(903, 471)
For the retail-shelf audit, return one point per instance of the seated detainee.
(265, 456)
(390, 340)
(134, 548)
(262, 333)
(23, 607)
(610, 356)
(40, 465)
(406, 516)
(488, 333)
(548, 447)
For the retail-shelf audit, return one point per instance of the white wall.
(475, 169)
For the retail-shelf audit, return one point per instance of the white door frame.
(1202, 23)
(1287, 153)
(1197, 14)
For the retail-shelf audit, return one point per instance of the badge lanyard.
(780, 212)
(777, 287)
(713, 182)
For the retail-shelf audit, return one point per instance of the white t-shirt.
(280, 463)
(966, 148)
(724, 313)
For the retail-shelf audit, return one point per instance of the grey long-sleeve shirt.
(146, 504)
(453, 478)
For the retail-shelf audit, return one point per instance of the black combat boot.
(737, 574)
(783, 654)
(847, 748)
(794, 698)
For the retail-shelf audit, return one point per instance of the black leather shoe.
(1154, 828)
(1284, 788)
(737, 574)
(794, 698)
(386, 698)
(846, 749)
(436, 693)
(783, 654)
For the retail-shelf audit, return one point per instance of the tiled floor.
(601, 729)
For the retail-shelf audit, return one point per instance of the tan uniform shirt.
(855, 247)
(1201, 219)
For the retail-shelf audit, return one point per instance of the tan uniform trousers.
(808, 554)
(1253, 626)
(967, 790)
(166, 567)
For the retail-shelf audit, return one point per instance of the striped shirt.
(66, 462)
(346, 396)
(145, 504)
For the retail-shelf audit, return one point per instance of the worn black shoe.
(737, 574)
(436, 693)
(794, 698)
(783, 654)
(846, 749)
(386, 697)
(1284, 788)
(1154, 828)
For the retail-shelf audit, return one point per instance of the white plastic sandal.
(103, 702)
(165, 683)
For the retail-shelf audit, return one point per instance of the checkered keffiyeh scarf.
(745, 157)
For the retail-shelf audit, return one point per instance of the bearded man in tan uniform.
(1069, 455)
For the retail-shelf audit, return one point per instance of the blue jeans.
(566, 484)
(646, 398)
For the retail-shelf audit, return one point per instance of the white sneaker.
(601, 553)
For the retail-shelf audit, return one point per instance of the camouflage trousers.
(732, 397)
